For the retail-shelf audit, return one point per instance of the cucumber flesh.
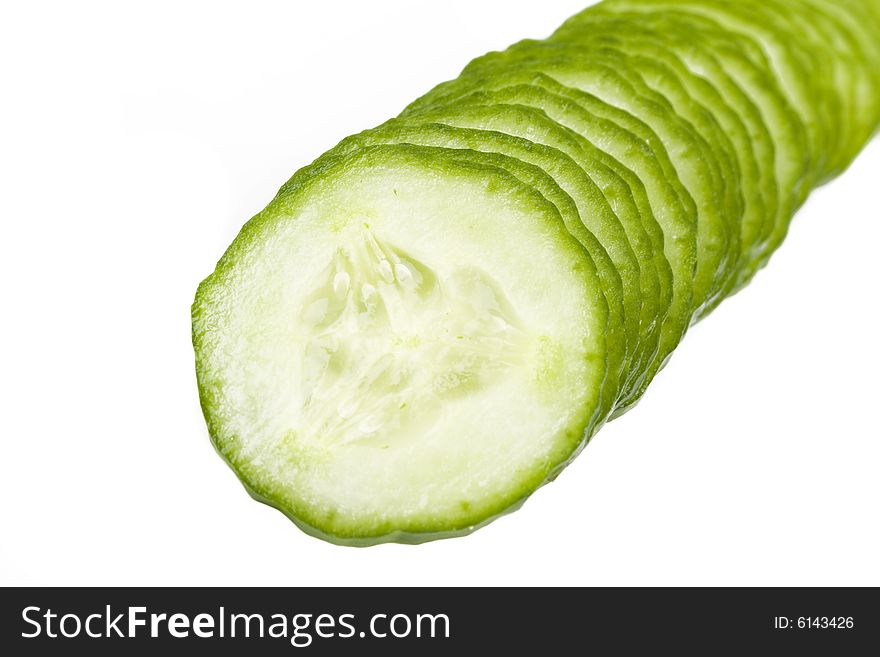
(563, 106)
(377, 360)
(555, 175)
(520, 122)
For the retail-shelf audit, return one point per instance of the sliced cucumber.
(568, 107)
(836, 67)
(401, 346)
(607, 176)
(430, 321)
(857, 53)
(797, 70)
(749, 140)
(683, 152)
(744, 61)
(716, 189)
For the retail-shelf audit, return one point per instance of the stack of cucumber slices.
(431, 320)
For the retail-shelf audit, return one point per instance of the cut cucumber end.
(400, 347)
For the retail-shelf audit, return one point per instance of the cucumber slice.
(802, 74)
(846, 62)
(607, 178)
(552, 173)
(677, 223)
(837, 67)
(686, 158)
(853, 29)
(710, 149)
(401, 346)
(594, 142)
(749, 140)
(744, 62)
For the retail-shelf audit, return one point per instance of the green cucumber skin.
(821, 92)
(829, 103)
(746, 18)
(856, 31)
(400, 537)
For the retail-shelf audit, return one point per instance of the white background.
(135, 140)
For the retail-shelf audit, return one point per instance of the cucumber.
(433, 318)
(706, 165)
(688, 158)
(802, 74)
(749, 140)
(743, 61)
(378, 360)
(850, 27)
(652, 166)
(820, 32)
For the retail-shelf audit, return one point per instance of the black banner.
(335, 621)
